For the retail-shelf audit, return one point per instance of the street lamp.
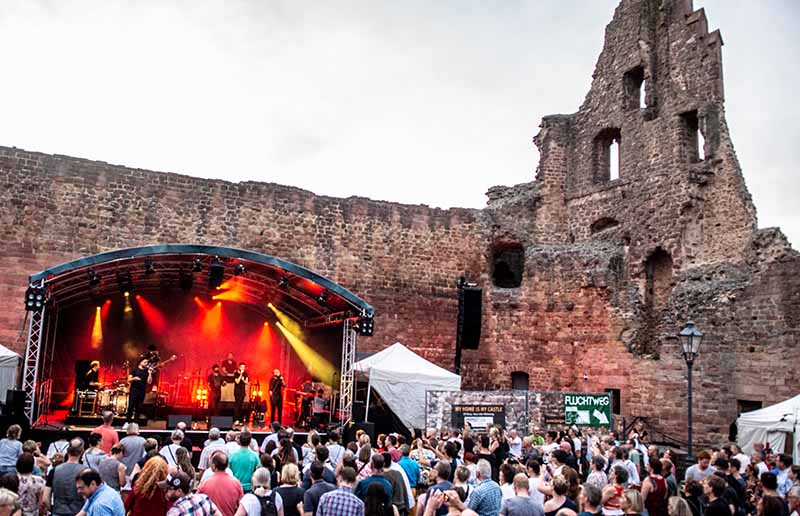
(691, 338)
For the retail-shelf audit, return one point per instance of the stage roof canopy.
(251, 278)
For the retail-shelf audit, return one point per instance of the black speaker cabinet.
(174, 419)
(471, 330)
(222, 422)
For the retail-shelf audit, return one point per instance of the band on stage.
(126, 396)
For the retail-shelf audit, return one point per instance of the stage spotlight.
(125, 281)
(239, 269)
(149, 268)
(94, 278)
(34, 299)
(216, 273)
(283, 284)
(185, 280)
(197, 266)
(366, 326)
(322, 299)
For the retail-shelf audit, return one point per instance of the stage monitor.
(222, 422)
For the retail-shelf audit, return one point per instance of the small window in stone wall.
(606, 155)
(658, 274)
(635, 84)
(520, 381)
(508, 264)
(692, 137)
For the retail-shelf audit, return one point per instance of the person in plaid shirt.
(342, 501)
(185, 503)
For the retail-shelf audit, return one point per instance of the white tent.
(401, 377)
(8, 371)
(772, 424)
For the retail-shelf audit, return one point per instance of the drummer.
(91, 381)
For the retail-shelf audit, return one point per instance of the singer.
(276, 385)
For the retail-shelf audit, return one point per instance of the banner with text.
(587, 409)
(478, 416)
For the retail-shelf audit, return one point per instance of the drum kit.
(112, 396)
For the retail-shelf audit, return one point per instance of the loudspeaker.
(359, 411)
(81, 368)
(471, 329)
(174, 419)
(15, 404)
(222, 422)
(352, 428)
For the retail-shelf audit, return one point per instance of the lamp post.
(690, 338)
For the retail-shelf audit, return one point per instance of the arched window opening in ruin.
(658, 279)
(508, 265)
(634, 84)
(606, 155)
(603, 224)
(692, 138)
(520, 381)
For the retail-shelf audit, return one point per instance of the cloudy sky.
(413, 101)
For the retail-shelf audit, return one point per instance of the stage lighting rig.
(283, 284)
(197, 265)
(322, 299)
(125, 281)
(239, 269)
(94, 278)
(149, 268)
(216, 273)
(366, 326)
(34, 299)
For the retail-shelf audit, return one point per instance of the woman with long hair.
(184, 462)
(147, 498)
(9, 503)
(290, 491)
(285, 454)
(364, 469)
(309, 447)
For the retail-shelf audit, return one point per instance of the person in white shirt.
(60, 445)
(215, 442)
(168, 451)
(335, 449)
(514, 443)
(534, 480)
(743, 459)
(276, 427)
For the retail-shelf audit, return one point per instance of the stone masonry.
(605, 270)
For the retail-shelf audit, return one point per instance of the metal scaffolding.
(347, 385)
(30, 375)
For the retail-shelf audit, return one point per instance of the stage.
(187, 308)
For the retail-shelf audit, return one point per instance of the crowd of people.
(486, 472)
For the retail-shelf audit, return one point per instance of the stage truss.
(39, 350)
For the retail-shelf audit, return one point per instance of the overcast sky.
(413, 101)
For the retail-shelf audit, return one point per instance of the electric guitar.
(153, 367)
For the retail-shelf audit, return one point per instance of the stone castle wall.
(612, 268)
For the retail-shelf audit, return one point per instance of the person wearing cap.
(177, 490)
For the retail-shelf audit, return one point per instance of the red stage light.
(152, 316)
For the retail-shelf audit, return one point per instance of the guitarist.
(138, 379)
(240, 381)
